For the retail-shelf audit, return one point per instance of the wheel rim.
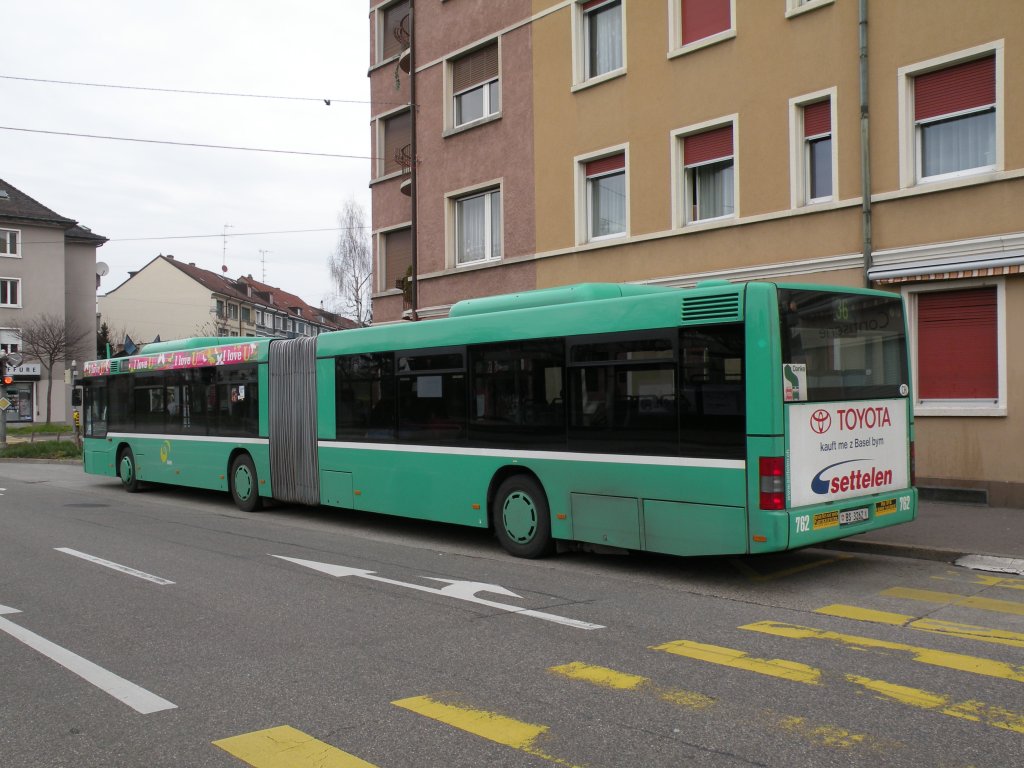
(127, 470)
(519, 516)
(243, 483)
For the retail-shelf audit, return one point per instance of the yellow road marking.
(972, 710)
(755, 575)
(286, 747)
(949, 598)
(986, 580)
(729, 657)
(957, 661)
(488, 725)
(604, 677)
(965, 631)
(822, 735)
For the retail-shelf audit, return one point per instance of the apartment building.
(669, 141)
(173, 299)
(47, 267)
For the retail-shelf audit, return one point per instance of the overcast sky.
(134, 193)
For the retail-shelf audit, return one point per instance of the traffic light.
(4, 377)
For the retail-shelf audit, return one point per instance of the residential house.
(669, 141)
(47, 267)
(173, 299)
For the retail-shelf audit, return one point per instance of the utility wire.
(185, 143)
(327, 101)
(198, 237)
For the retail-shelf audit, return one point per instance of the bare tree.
(351, 265)
(53, 339)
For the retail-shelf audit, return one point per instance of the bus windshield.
(853, 345)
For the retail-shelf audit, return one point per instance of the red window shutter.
(956, 344)
(818, 118)
(392, 19)
(708, 146)
(592, 4)
(606, 165)
(703, 18)
(397, 134)
(965, 86)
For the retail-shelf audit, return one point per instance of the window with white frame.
(794, 7)
(477, 227)
(817, 151)
(606, 196)
(232, 311)
(701, 22)
(392, 30)
(278, 323)
(954, 115)
(259, 317)
(9, 242)
(10, 292)
(959, 344)
(602, 42)
(709, 190)
(475, 85)
(10, 340)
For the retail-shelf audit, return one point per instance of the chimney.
(170, 256)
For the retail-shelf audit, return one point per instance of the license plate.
(850, 516)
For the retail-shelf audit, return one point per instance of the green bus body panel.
(694, 529)
(177, 460)
(611, 520)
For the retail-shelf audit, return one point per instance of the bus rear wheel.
(128, 470)
(244, 484)
(522, 518)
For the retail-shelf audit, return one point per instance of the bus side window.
(364, 397)
(713, 391)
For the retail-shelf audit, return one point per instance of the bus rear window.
(853, 345)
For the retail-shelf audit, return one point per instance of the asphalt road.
(166, 628)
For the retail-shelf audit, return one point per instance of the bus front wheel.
(128, 470)
(522, 519)
(244, 486)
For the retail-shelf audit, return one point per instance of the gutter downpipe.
(414, 276)
(865, 147)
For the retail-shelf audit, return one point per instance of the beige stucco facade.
(964, 230)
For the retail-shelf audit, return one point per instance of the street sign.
(5, 403)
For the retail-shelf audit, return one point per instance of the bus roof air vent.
(708, 308)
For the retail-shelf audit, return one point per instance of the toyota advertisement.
(843, 450)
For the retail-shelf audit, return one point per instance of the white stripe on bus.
(192, 438)
(597, 458)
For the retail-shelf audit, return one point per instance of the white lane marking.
(114, 566)
(460, 590)
(129, 693)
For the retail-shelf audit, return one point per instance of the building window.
(959, 347)
(220, 308)
(259, 317)
(955, 119)
(392, 30)
(708, 175)
(701, 22)
(10, 292)
(478, 227)
(10, 340)
(9, 243)
(232, 311)
(475, 85)
(395, 257)
(794, 7)
(602, 37)
(606, 196)
(817, 151)
(396, 140)
(278, 322)
(246, 315)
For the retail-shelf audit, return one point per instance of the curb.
(933, 554)
(39, 461)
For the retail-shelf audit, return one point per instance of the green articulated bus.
(722, 419)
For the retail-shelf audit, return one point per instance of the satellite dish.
(101, 268)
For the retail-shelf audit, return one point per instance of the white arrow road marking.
(127, 692)
(114, 566)
(460, 590)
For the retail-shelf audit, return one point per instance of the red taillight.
(772, 474)
(913, 465)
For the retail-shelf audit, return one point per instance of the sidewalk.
(947, 532)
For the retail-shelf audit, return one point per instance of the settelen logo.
(851, 479)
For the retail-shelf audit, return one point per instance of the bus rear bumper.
(817, 524)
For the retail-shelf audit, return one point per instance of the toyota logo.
(821, 421)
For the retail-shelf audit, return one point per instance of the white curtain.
(958, 144)
(608, 205)
(604, 30)
(715, 192)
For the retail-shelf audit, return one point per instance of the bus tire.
(128, 470)
(244, 483)
(522, 518)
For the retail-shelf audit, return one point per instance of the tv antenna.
(224, 249)
(263, 263)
